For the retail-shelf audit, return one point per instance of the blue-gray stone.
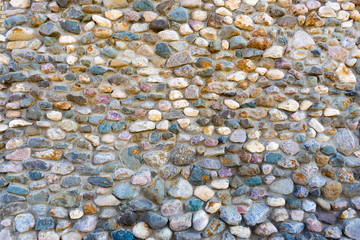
(13, 77)
(273, 157)
(131, 157)
(198, 176)
(209, 163)
(143, 5)
(123, 235)
(78, 156)
(124, 190)
(126, 36)
(241, 190)
(142, 205)
(155, 191)
(12, 198)
(49, 29)
(179, 15)
(258, 213)
(17, 189)
(163, 50)
(70, 181)
(98, 70)
(187, 236)
(155, 220)
(352, 228)
(109, 52)
(68, 199)
(87, 38)
(36, 164)
(38, 197)
(39, 142)
(70, 26)
(346, 141)
(101, 181)
(230, 215)
(237, 42)
(292, 227)
(43, 223)
(193, 204)
(14, 21)
(73, 13)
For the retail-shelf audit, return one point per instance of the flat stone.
(345, 141)
(282, 186)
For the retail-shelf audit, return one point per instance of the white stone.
(302, 40)
(155, 115)
(220, 183)
(274, 52)
(232, 104)
(178, 83)
(314, 123)
(19, 123)
(305, 105)
(344, 74)
(20, 3)
(331, 112)
(224, 131)
(199, 15)
(66, 40)
(240, 231)
(275, 74)
(254, 147)
(204, 193)
(76, 213)
(168, 35)
(101, 21)
(237, 76)
(55, 134)
(275, 201)
(223, 12)
(142, 126)
(200, 220)
(191, 112)
(141, 230)
(289, 105)
(139, 27)
(113, 14)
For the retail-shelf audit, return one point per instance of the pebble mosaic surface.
(180, 119)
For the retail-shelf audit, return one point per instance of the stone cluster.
(180, 119)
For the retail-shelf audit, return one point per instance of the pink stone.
(266, 168)
(145, 145)
(311, 5)
(145, 87)
(113, 116)
(196, 25)
(19, 154)
(164, 105)
(89, 91)
(256, 158)
(211, 142)
(141, 178)
(125, 135)
(103, 99)
(241, 209)
(226, 172)
(140, 113)
(337, 53)
(313, 225)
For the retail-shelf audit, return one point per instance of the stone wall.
(180, 119)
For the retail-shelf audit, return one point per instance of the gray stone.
(345, 141)
(282, 186)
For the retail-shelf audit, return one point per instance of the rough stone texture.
(189, 119)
